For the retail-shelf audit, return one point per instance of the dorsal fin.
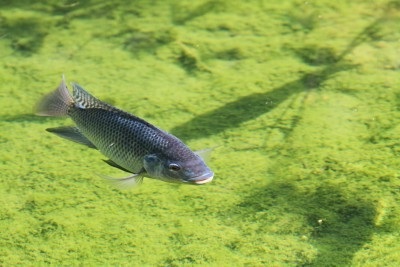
(84, 100)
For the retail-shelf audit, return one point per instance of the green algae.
(301, 97)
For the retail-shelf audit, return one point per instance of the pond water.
(301, 99)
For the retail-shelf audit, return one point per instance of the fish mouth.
(202, 179)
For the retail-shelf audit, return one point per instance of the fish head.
(190, 169)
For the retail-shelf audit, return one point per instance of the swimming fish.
(131, 143)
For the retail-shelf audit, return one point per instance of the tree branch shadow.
(234, 113)
(342, 222)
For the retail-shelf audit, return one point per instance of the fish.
(130, 143)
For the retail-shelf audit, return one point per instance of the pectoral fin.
(73, 134)
(205, 154)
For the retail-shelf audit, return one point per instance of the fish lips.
(202, 179)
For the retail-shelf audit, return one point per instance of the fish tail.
(56, 103)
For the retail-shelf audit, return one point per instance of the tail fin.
(56, 103)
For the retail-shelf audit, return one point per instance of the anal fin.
(73, 134)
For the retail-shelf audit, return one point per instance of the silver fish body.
(130, 143)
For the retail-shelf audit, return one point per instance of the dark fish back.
(130, 143)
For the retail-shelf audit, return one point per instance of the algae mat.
(301, 97)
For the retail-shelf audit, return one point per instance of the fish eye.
(174, 167)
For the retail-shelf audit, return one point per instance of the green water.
(302, 98)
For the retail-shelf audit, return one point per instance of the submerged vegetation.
(302, 99)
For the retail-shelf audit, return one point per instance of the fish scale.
(131, 143)
(130, 139)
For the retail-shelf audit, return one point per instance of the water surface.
(301, 97)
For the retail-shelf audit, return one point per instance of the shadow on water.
(232, 114)
(25, 34)
(20, 118)
(341, 222)
(251, 106)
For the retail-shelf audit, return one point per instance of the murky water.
(301, 98)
